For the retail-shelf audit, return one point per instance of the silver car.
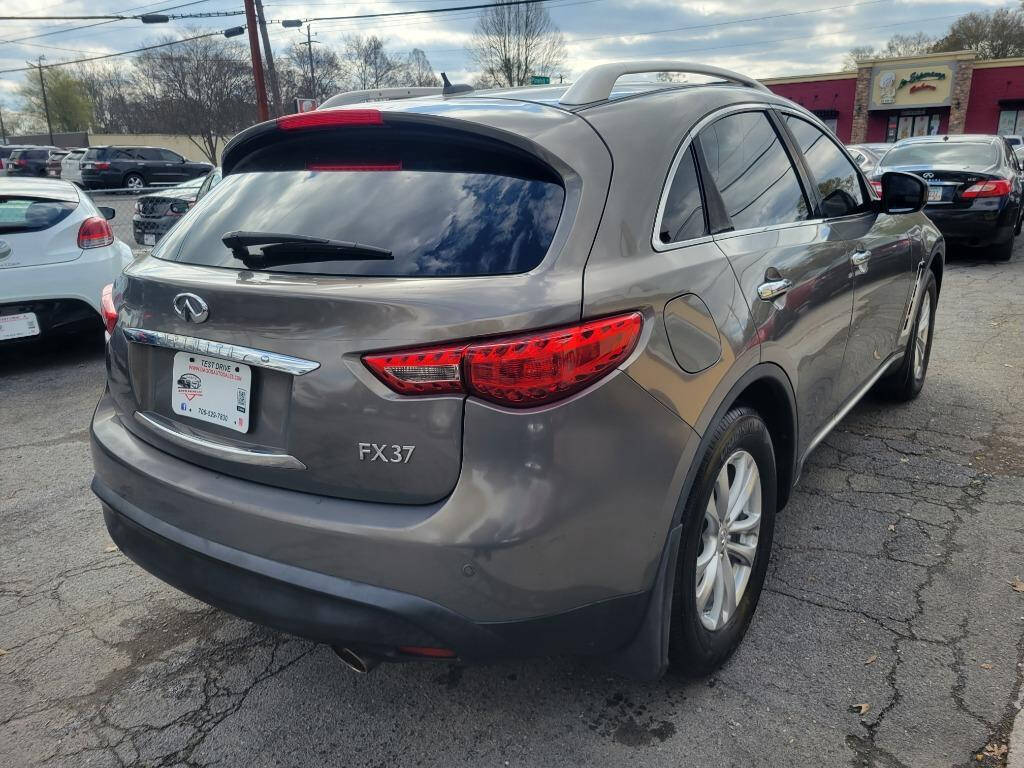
(481, 375)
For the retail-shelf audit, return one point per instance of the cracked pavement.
(888, 635)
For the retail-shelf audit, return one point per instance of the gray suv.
(511, 373)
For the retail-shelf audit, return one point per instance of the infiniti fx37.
(507, 373)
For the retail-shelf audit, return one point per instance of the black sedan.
(974, 187)
(157, 212)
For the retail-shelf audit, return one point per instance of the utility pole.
(3, 132)
(275, 89)
(46, 104)
(309, 50)
(257, 61)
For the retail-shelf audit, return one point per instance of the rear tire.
(721, 567)
(1004, 252)
(906, 382)
(134, 181)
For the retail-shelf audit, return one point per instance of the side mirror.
(107, 212)
(903, 192)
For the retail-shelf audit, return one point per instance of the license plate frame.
(148, 239)
(212, 390)
(19, 326)
(934, 194)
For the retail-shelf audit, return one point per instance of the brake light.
(877, 186)
(357, 167)
(329, 118)
(22, 161)
(518, 371)
(107, 309)
(101, 165)
(94, 233)
(993, 188)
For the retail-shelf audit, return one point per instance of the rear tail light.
(329, 118)
(993, 188)
(94, 233)
(101, 166)
(22, 161)
(519, 371)
(107, 309)
(356, 167)
(877, 186)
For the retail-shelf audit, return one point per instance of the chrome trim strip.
(260, 358)
(841, 413)
(252, 456)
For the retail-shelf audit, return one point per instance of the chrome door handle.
(860, 260)
(773, 289)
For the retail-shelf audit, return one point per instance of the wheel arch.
(766, 388)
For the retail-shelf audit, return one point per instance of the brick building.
(890, 99)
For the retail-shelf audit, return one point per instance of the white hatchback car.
(71, 166)
(57, 255)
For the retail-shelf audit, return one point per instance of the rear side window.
(753, 173)
(29, 214)
(836, 177)
(683, 217)
(167, 156)
(444, 203)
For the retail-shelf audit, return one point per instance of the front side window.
(683, 217)
(836, 177)
(753, 173)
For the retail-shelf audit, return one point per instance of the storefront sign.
(926, 86)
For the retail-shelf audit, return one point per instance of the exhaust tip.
(358, 663)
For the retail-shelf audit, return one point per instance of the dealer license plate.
(211, 389)
(149, 239)
(934, 194)
(18, 326)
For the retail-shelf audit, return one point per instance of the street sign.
(305, 105)
(540, 80)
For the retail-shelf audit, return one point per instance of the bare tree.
(908, 45)
(330, 74)
(202, 89)
(857, 54)
(995, 35)
(369, 65)
(511, 43)
(418, 71)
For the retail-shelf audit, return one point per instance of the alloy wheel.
(921, 343)
(729, 538)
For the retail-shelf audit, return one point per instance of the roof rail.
(378, 94)
(596, 83)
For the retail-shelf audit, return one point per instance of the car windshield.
(943, 153)
(31, 214)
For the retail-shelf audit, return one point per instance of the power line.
(426, 10)
(119, 53)
(99, 23)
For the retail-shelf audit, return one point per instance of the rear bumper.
(342, 612)
(101, 179)
(975, 227)
(509, 564)
(54, 317)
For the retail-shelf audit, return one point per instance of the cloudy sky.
(802, 37)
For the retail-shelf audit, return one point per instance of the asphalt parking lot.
(890, 633)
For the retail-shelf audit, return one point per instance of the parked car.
(29, 161)
(53, 162)
(70, 166)
(1019, 152)
(466, 394)
(974, 187)
(865, 158)
(157, 212)
(5, 153)
(57, 252)
(133, 168)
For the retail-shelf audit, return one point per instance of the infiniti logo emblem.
(928, 175)
(191, 308)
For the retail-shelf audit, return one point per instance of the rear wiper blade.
(284, 249)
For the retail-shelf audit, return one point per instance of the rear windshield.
(943, 153)
(30, 214)
(443, 205)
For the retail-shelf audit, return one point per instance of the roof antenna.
(451, 89)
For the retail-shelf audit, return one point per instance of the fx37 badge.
(389, 454)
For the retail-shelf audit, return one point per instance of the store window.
(1011, 121)
(904, 125)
